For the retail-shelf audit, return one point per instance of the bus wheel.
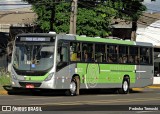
(125, 86)
(74, 86)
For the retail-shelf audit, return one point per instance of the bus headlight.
(49, 77)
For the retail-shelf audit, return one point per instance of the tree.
(86, 24)
(93, 19)
(130, 10)
(53, 15)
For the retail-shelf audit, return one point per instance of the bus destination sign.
(35, 39)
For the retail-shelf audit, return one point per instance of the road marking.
(102, 101)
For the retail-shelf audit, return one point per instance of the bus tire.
(74, 86)
(125, 86)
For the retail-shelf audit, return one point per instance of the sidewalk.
(156, 86)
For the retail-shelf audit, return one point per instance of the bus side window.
(62, 55)
(112, 53)
(123, 54)
(130, 60)
(87, 52)
(100, 53)
(75, 51)
(85, 55)
(144, 54)
(133, 55)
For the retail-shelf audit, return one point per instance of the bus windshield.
(33, 56)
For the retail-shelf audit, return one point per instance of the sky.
(152, 6)
(8, 7)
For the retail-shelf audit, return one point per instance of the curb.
(137, 89)
(154, 87)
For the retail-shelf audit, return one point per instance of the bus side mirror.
(158, 55)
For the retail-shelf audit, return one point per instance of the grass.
(4, 78)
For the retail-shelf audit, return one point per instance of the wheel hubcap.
(72, 87)
(125, 86)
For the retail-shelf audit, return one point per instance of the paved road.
(90, 102)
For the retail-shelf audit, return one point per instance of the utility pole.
(134, 28)
(73, 17)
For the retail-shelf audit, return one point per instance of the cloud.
(7, 7)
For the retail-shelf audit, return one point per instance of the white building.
(16, 17)
(151, 34)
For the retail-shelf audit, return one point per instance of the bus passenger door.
(62, 68)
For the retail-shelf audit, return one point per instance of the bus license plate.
(29, 86)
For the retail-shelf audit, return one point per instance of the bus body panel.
(144, 75)
(63, 77)
(96, 74)
(106, 75)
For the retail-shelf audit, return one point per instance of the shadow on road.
(40, 92)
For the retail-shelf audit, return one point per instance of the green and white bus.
(58, 61)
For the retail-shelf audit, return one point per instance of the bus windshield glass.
(33, 56)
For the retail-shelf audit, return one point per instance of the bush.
(4, 78)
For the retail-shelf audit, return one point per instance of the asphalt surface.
(102, 102)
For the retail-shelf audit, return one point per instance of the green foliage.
(129, 9)
(62, 18)
(4, 78)
(44, 10)
(86, 24)
(92, 20)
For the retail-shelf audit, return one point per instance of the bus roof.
(87, 39)
(110, 40)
